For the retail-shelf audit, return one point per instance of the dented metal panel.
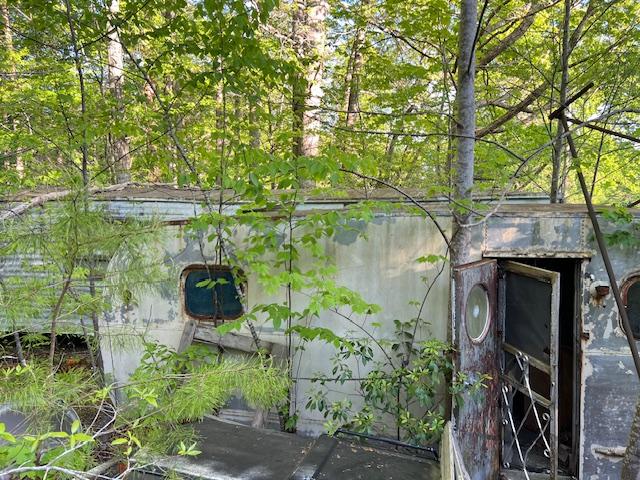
(478, 418)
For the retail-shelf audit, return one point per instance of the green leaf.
(254, 179)
(227, 327)
(75, 426)
(55, 435)
(83, 437)
(7, 437)
(431, 259)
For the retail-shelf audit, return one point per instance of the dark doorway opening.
(568, 374)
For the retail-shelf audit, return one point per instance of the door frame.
(580, 261)
(552, 278)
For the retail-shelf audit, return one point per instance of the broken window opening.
(211, 293)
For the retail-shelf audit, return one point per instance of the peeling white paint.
(608, 453)
(605, 319)
(586, 371)
(381, 266)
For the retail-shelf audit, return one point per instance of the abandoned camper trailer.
(533, 318)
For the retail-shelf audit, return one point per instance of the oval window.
(477, 313)
(631, 297)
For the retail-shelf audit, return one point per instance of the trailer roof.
(133, 197)
(165, 192)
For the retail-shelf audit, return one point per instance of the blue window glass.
(221, 300)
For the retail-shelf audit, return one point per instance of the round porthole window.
(631, 298)
(477, 313)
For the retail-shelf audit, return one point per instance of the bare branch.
(510, 39)
(407, 196)
(40, 200)
(513, 111)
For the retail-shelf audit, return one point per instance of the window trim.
(628, 282)
(241, 287)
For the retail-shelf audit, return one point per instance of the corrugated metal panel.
(24, 269)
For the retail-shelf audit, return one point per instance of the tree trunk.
(220, 122)
(393, 138)
(84, 146)
(54, 318)
(298, 84)
(309, 33)
(19, 351)
(631, 462)
(254, 127)
(8, 45)
(465, 132)
(558, 144)
(354, 68)
(119, 155)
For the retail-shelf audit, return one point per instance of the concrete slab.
(354, 462)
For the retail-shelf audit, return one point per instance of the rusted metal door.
(476, 339)
(529, 309)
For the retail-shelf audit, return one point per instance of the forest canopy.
(224, 93)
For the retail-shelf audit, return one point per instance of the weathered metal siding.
(609, 384)
(381, 266)
(28, 271)
(546, 234)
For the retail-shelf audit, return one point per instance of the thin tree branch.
(510, 39)
(513, 111)
(407, 196)
(40, 200)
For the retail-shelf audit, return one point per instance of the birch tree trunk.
(119, 155)
(465, 132)
(309, 34)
